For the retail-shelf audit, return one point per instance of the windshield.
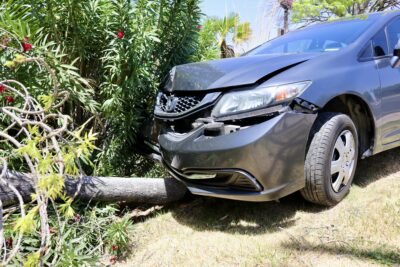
(325, 37)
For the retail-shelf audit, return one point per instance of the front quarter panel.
(338, 74)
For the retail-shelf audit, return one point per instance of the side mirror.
(395, 61)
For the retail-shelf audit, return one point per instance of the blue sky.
(247, 9)
(260, 13)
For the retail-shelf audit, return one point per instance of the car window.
(331, 45)
(299, 45)
(292, 47)
(393, 32)
(325, 37)
(367, 52)
(379, 44)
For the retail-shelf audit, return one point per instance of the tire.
(331, 159)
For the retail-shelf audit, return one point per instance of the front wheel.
(331, 159)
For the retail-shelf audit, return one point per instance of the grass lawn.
(363, 230)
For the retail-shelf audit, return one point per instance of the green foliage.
(216, 31)
(26, 224)
(99, 62)
(13, 65)
(111, 55)
(89, 235)
(316, 8)
(243, 32)
(117, 235)
(177, 30)
(310, 11)
(208, 46)
(229, 25)
(134, 67)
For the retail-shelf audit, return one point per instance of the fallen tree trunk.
(103, 189)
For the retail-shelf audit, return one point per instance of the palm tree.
(229, 26)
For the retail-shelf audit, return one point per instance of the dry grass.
(363, 230)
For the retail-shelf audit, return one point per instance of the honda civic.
(294, 114)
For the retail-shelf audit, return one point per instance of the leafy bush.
(46, 145)
(94, 63)
(153, 42)
(208, 45)
(46, 232)
(112, 55)
(95, 235)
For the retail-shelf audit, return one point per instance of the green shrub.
(112, 55)
(109, 57)
(93, 234)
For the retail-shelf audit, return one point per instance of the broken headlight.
(261, 97)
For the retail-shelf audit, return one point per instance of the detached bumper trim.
(240, 180)
(266, 195)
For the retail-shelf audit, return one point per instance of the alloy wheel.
(343, 160)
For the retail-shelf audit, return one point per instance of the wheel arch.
(360, 112)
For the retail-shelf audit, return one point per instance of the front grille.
(178, 104)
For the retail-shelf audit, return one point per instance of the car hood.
(232, 72)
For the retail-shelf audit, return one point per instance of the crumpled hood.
(225, 73)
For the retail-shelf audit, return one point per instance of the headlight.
(257, 98)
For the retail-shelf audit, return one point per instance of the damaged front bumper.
(261, 162)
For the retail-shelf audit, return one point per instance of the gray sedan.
(295, 113)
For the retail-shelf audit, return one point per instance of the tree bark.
(226, 51)
(103, 189)
(286, 20)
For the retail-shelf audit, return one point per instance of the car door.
(383, 46)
